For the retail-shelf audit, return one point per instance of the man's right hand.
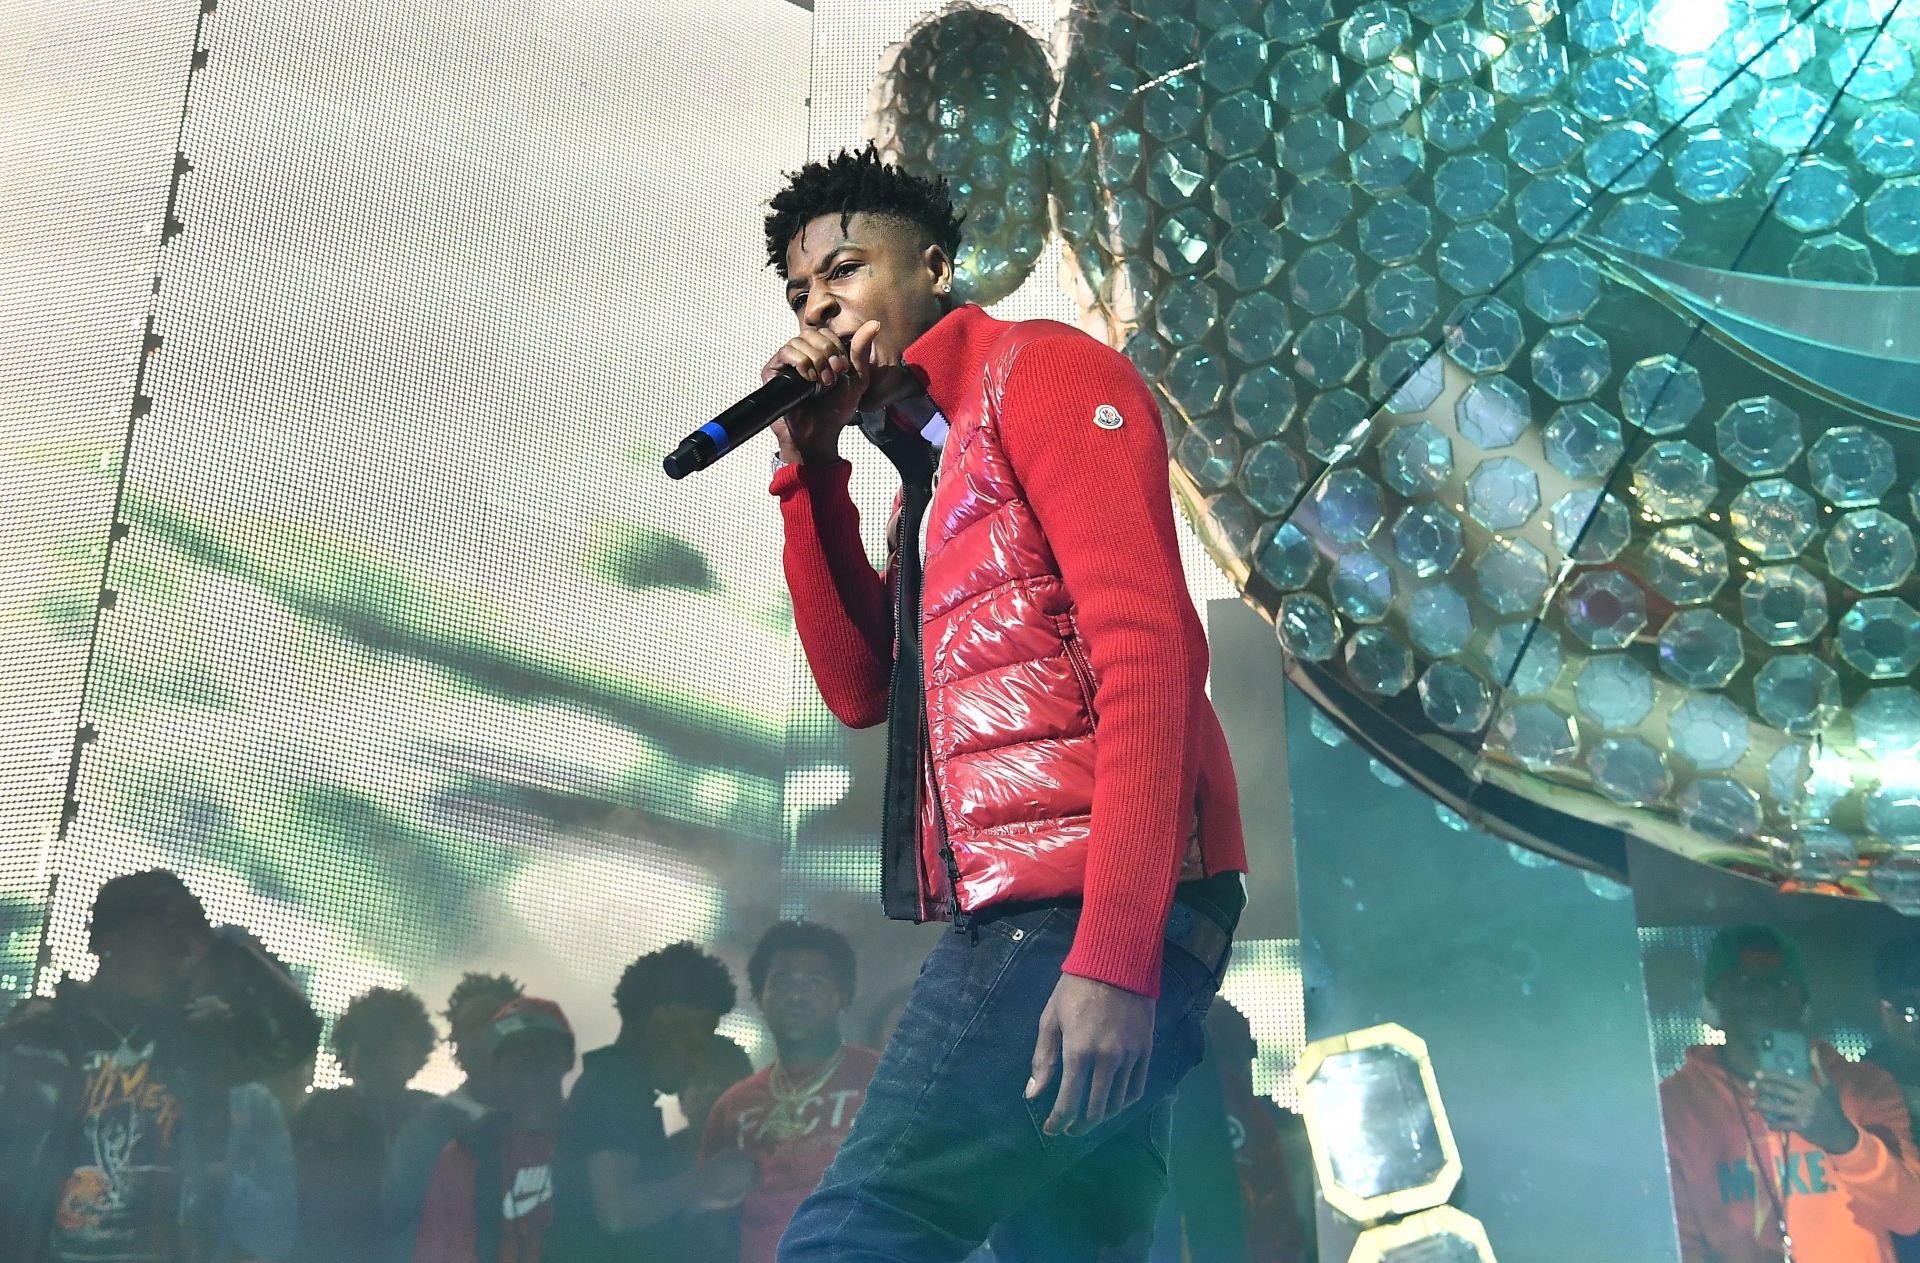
(810, 434)
(1811, 1107)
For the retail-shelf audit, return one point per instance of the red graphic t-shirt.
(448, 1232)
(793, 1141)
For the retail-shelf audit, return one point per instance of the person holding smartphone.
(1778, 1146)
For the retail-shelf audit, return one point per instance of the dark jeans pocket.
(1179, 1040)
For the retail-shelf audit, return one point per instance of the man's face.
(880, 269)
(385, 1065)
(529, 1066)
(800, 999)
(1759, 996)
(1900, 1015)
(674, 1037)
(469, 1034)
(153, 956)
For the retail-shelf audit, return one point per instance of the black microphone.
(784, 392)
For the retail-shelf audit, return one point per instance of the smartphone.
(1785, 1053)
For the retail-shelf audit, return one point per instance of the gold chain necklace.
(783, 1120)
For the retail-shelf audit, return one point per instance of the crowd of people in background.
(160, 1112)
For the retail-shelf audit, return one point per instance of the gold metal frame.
(1367, 1210)
(1373, 1244)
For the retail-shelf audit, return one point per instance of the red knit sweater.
(1108, 517)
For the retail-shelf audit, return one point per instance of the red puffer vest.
(1010, 685)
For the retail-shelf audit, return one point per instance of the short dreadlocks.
(859, 183)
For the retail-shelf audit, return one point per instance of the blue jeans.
(947, 1152)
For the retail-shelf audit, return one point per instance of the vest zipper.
(1082, 670)
(886, 779)
(954, 911)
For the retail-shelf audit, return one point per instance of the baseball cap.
(1743, 946)
(527, 1013)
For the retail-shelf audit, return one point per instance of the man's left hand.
(1100, 1038)
(1810, 1107)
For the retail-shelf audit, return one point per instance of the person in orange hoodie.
(1818, 1168)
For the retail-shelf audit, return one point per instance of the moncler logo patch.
(1107, 417)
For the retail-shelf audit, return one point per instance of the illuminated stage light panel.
(417, 664)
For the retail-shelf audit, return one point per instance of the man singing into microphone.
(1058, 785)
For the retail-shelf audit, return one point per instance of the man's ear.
(939, 267)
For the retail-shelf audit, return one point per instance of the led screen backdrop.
(416, 664)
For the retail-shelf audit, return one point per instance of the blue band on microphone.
(713, 430)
